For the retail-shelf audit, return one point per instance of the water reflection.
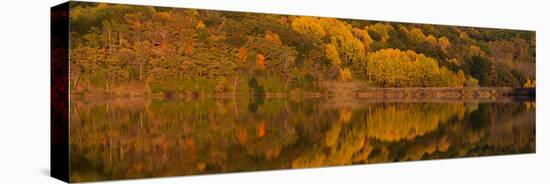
(135, 138)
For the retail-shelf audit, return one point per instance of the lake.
(137, 137)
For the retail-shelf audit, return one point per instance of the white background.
(24, 90)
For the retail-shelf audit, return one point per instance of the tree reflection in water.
(136, 138)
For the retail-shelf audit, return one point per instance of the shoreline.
(448, 93)
(375, 93)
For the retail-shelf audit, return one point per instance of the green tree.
(481, 69)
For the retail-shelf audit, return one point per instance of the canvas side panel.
(59, 81)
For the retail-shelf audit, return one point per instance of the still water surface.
(136, 138)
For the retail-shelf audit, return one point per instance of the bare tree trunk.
(107, 86)
(234, 95)
(76, 114)
(108, 107)
(234, 86)
(370, 81)
(120, 39)
(110, 150)
(141, 71)
(109, 41)
(105, 44)
(76, 81)
(141, 120)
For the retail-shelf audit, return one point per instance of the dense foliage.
(147, 50)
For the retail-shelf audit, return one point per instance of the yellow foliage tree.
(273, 38)
(200, 25)
(461, 78)
(243, 53)
(431, 39)
(444, 43)
(350, 48)
(476, 51)
(396, 68)
(308, 26)
(332, 55)
(345, 75)
(416, 35)
(364, 36)
(382, 29)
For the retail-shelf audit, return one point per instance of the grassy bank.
(327, 89)
(446, 93)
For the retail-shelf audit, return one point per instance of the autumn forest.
(139, 50)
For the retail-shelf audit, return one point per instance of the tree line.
(158, 50)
